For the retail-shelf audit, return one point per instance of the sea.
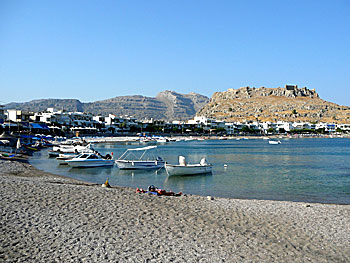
(315, 170)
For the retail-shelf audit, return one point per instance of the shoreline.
(54, 218)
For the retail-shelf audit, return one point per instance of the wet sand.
(48, 218)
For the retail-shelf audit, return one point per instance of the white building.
(18, 115)
(205, 123)
(344, 127)
(269, 125)
(300, 125)
(287, 126)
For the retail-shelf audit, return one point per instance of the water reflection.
(186, 182)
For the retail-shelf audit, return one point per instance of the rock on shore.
(47, 218)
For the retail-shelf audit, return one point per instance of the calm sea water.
(310, 170)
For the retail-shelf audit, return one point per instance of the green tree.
(271, 130)
(321, 130)
(281, 130)
(246, 129)
(339, 130)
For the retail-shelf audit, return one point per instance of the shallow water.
(309, 170)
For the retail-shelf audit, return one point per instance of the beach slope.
(47, 218)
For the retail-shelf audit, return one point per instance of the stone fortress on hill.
(290, 91)
(273, 104)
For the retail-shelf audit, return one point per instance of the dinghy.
(188, 169)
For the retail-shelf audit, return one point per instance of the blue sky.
(93, 50)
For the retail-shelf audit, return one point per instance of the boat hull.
(53, 154)
(62, 158)
(89, 163)
(188, 169)
(139, 165)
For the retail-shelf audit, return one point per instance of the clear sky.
(93, 50)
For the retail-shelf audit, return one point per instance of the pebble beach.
(48, 218)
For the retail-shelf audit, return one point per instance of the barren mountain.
(272, 104)
(167, 105)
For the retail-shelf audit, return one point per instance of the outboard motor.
(182, 161)
(203, 161)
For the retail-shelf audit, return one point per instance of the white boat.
(75, 149)
(162, 140)
(89, 160)
(188, 169)
(140, 159)
(147, 140)
(274, 142)
(62, 158)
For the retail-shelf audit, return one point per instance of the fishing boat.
(188, 169)
(140, 159)
(274, 142)
(89, 160)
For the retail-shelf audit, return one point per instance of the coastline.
(48, 218)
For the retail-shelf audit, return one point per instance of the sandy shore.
(48, 218)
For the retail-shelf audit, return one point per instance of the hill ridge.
(167, 105)
(273, 104)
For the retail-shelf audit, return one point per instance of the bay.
(307, 170)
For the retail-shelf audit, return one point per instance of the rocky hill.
(272, 104)
(43, 104)
(167, 105)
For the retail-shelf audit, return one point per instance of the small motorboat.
(140, 159)
(162, 140)
(188, 169)
(62, 158)
(274, 142)
(75, 149)
(89, 160)
(147, 140)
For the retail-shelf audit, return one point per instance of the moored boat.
(188, 169)
(274, 142)
(139, 158)
(89, 160)
(62, 158)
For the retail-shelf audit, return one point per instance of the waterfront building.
(2, 114)
(287, 126)
(19, 115)
(344, 127)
